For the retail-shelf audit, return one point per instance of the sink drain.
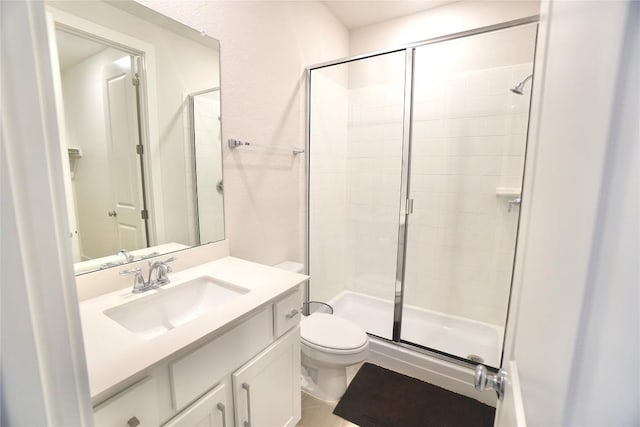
(475, 358)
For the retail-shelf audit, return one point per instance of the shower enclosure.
(416, 161)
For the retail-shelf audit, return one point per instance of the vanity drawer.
(286, 312)
(200, 370)
(135, 406)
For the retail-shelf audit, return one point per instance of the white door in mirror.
(124, 161)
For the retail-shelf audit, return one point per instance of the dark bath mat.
(378, 397)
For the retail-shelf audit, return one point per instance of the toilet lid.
(333, 332)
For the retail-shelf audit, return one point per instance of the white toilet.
(329, 344)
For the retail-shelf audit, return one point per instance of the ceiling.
(359, 13)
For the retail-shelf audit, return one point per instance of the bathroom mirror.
(139, 102)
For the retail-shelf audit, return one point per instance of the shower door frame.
(406, 204)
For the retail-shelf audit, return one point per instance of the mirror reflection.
(205, 119)
(139, 104)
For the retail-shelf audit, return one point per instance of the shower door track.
(406, 152)
(431, 352)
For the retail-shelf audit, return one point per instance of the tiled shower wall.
(469, 134)
(375, 164)
(330, 262)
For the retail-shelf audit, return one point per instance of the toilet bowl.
(329, 344)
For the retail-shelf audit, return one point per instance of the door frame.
(44, 378)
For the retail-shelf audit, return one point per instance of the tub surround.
(115, 354)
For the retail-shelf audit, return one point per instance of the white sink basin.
(168, 308)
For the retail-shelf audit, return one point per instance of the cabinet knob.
(133, 422)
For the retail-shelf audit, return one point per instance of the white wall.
(265, 47)
(447, 19)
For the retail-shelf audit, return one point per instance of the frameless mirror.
(138, 96)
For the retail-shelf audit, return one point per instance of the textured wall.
(265, 47)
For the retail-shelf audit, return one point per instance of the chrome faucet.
(125, 253)
(161, 269)
(158, 271)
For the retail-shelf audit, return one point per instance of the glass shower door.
(356, 133)
(466, 167)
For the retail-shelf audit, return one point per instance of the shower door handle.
(485, 381)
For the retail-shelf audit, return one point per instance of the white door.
(124, 161)
(266, 390)
(573, 340)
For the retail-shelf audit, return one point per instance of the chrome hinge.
(144, 214)
(136, 80)
(139, 149)
(408, 208)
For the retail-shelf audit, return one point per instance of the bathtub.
(446, 333)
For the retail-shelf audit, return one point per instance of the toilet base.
(324, 383)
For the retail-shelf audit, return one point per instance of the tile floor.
(318, 413)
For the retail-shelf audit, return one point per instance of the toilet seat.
(332, 334)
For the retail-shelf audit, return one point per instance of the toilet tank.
(292, 266)
(296, 267)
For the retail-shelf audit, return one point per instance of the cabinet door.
(137, 406)
(212, 410)
(266, 390)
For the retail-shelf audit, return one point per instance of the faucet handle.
(138, 280)
(167, 261)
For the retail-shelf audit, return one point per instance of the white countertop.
(114, 353)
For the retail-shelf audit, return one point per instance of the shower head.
(519, 88)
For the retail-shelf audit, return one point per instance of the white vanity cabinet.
(212, 410)
(135, 406)
(266, 391)
(247, 376)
